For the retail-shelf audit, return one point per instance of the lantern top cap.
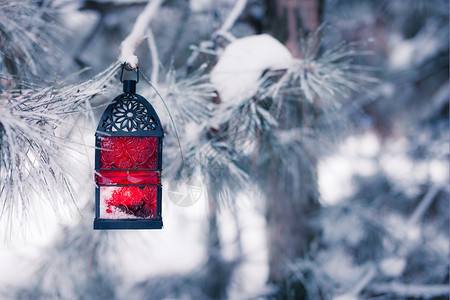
(130, 115)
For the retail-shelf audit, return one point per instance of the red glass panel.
(128, 177)
(128, 152)
(128, 202)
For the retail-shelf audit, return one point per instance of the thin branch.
(206, 46)
(365, 280)
(411, 290)
(237, 10)
(154, 53)
(423, 205)
(437, 103)
(137, 34)
(414, 218)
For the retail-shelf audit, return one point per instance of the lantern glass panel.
(128, 153)
(128, 202)
(113, 177)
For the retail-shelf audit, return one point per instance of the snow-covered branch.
(423, 205)
(224, 31)
(411, 290)
(36, 169)
(396, 265)
(237, 10)
(137, 34)
(154, 53)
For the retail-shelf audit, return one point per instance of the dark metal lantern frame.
(130, 118)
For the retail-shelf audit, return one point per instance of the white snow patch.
(415, 51)
(349, 230)
(360, 155)
(251, 275)
(346, 297)
(402, 53)
(355, 156)
(438, 171)
(238, 71)
(339, 265)
(200, 5)
(177, 248)
(393, 266)
(192, 133)
(405, 171)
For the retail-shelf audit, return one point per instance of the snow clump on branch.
(237, 75)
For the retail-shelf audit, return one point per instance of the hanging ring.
(124, 67)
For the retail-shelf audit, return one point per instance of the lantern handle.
(121, 73)
(129, 85)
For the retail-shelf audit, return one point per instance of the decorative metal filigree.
(129, 115)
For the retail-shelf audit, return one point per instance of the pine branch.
(154, 54)
(426, 291)
(232, 17)
(423, 206)
(75, 266)
(131, 42)
(34, 164)
(209, 46)
(27, 30)
(418, 213)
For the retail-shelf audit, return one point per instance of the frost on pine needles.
(190, 97)
(324, 77)
(27, 30)
(35, 168)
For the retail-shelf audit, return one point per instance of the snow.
(200, 5)
(339, 266)
(346, 297)
(129, 45)
(414, 51)
(393, 266)
(355, 156)
(361, 155)
(404, 171)
(252, 272)
(238, 72)
(412, 290)
(175, 249)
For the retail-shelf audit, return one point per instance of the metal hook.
(121, 73)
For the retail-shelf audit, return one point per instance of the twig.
(438, 101)
(414, 218)
(410, 290)
(237, 10)
(137, 34)
(234, 15)
(423, 205)
(365, 280)
(154, 54)
(223, 31)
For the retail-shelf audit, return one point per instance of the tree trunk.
(289, 234)
(285, 18)
(289, 209)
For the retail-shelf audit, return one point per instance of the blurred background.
(313, 132)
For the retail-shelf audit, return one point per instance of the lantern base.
(107, 224)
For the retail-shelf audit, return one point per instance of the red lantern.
(128, 163)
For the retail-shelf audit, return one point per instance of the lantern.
(128, 162)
